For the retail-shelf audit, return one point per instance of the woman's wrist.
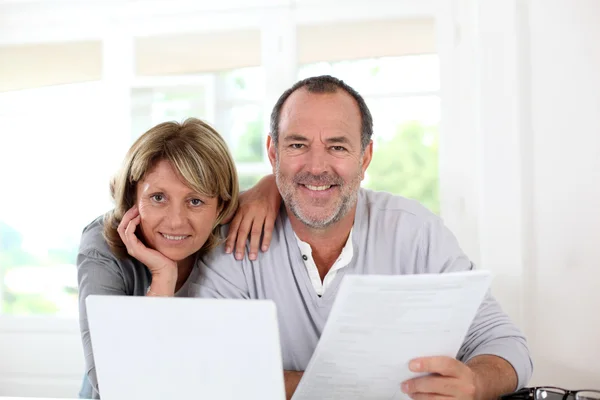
(163, 284)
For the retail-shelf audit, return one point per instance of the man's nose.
(317, 161)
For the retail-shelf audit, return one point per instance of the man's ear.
(366, 158)
(272, 152)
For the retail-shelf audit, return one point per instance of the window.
(61, 144)
(402, 94)
(232, 101)
(57, 162)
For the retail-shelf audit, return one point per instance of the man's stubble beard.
(347, 200)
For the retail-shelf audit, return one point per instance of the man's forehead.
(303, 97)
(307, 108)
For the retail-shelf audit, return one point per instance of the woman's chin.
(176, 255)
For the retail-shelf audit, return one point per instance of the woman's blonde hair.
(200, 156)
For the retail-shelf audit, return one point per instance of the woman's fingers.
(131, 240)
(233, 232)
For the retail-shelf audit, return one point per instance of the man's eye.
(296, 145)
(196, 202)
(338, 148)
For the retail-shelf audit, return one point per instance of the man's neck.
(327, 243)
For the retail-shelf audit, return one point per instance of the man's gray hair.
(325, 84)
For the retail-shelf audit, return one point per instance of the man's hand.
(481, 378)
(291, 380)
(450, 378)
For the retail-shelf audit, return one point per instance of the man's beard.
(345, 202)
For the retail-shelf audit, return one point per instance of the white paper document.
(379, 323)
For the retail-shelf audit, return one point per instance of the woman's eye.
(158, 197)
(196, 202)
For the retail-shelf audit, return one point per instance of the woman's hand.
(256, 215)
(162, 268)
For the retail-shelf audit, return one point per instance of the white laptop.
(183, 348)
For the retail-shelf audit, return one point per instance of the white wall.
(40, 357)
(565, 89)
(536, 188)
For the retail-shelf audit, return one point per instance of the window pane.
(390, 112)
(245, 133)
(239, 97)
(230, 101)
(382, 75)
(242, 84)
(407, 164)
(56, 190)
(151, 106)
(405, 154)
(247, 180)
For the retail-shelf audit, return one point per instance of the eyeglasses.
(552, 393)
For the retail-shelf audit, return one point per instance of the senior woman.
(177, 184)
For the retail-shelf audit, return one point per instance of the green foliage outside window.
(407, 164)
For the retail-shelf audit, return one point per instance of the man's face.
(318, 160)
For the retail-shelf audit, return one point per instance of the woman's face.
(175, 220)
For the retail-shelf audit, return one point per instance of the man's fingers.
(445, 366)
(428, 396)
(439, 385)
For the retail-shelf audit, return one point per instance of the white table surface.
(32, 398)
